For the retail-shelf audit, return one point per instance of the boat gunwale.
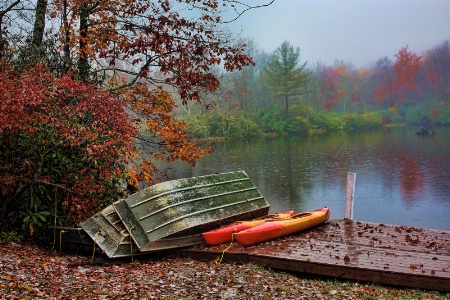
(265, 218)
(270, 225)
(299, 216)
(185, 189)
(203, 211)
(275, 229)
(194, 200)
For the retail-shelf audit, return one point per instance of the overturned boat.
(107, 231)
(174, 214)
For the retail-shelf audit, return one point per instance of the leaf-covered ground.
(29, 272)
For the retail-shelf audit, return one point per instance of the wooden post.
(351, 180)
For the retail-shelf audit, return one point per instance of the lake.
(401, 178)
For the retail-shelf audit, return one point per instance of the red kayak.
(225, 234)
(278, 228)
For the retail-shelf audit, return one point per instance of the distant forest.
(268, 97)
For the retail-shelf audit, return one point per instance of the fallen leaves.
(346, 259)
(32, 273)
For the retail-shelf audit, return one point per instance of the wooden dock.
(386, 254)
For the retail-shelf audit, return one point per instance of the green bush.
(270, 121)
(218, 125)
(11, 236)
(366, 120)
(197, 127)
(298, 125)
(279, 125)
(236, 125)
(429, 114)
(443, 117)
(240, 126)
(416, 116)
(326, 121)
(245, 127)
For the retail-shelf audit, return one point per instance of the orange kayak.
(225, 234)
(278, 228)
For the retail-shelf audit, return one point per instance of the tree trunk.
(2, 42)
(66, 48)
(83, 64)
(39, 23)
(286, 100)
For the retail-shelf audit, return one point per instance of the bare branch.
(3, 12)
(247, 9)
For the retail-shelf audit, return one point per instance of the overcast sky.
(355, 31)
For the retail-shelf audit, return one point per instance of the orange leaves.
(408, 63)
(406, 67)
(342, 70)
(149, 101)
(363, 73)
(163, 136)
(393, 110)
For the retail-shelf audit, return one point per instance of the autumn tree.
(283, 76)
(158, 45)
(137, 56)
(406, 68)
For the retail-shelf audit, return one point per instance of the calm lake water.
(401, 178)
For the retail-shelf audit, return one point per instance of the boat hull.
(225, 234)
(189, 206)
(275, 229)
(108, 232)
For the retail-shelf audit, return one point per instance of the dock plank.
(387, 254)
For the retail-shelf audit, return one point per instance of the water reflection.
(401, 178)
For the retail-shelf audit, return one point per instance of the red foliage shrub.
(60, 140)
